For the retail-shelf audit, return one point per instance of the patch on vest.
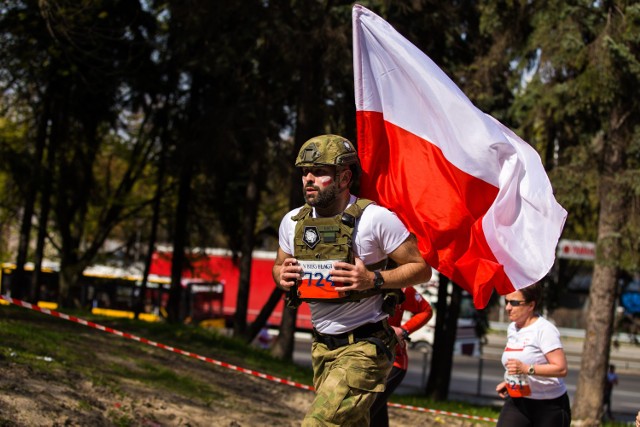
(310, 236)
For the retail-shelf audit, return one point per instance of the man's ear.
(346, 177)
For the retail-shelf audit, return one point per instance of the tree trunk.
(284, 344)
(309, 123)
(19, 281)
(444, 340)
(187, 155)
(249, 215)
(587, 408)
(264, 314)
(20, 286)
(153, 233)
(174, 305)
(69, 281)
(45, 208)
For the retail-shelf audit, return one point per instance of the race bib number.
(317, 282)
(517, 385)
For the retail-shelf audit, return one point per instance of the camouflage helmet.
(330, 150)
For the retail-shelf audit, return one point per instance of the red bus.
(218, 265)
(112, 291)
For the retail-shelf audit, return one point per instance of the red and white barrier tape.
(439, 412)
(54, 313)
(153, 343)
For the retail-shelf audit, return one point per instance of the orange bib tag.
(316, 281)
(517, 385)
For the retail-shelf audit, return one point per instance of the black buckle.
(340, 340)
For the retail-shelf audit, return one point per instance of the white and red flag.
(475, 194)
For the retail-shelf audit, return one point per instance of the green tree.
(71, 63)
(576, 73)
(319, 94)
(12, 142)
(28, 155)
(610, 75)
(228, 110)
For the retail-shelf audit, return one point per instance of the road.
(471, 381)
(475, 381)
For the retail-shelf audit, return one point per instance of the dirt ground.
(65, 397)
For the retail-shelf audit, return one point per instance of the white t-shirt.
(378, 232)
(530, 344)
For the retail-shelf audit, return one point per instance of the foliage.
(578, 100)
(486, 48)
(87, 50)
(11, 139)
(116, 104)
(586, 68)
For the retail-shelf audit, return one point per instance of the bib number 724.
(317, 279)
(316, 273)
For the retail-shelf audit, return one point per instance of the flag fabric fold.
(475, 194)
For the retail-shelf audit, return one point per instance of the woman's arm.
(501, 389)
(556, 365)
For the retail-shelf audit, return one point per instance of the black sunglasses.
(514, 302)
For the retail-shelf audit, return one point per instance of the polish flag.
(474, 193)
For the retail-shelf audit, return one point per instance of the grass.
(27, 343)
(159, 376)
(447, 406)
(28, 338)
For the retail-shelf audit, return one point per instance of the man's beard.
(323, 198)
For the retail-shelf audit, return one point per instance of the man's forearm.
(408, 274)
(275, 272)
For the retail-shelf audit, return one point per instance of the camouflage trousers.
(348, 379)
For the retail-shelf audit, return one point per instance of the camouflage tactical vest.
(327, 239)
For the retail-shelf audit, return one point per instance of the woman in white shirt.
(535, 363)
